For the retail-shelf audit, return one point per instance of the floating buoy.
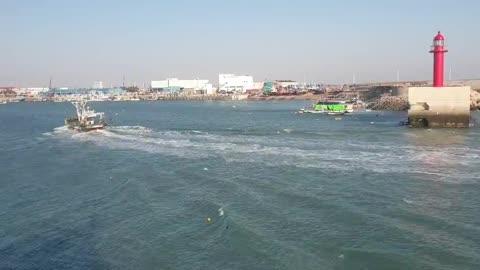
(209, 220)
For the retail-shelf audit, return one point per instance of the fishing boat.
(86, 119)
(327, 107)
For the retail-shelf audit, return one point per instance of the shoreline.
(475, 98)
(60, 99)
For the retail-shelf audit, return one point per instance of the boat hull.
(73, 124)
(315, 112)
(85, 129)
(336, 113)
(325, 112)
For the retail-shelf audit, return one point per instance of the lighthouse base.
(439, 107)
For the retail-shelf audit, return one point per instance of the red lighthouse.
(438, 50)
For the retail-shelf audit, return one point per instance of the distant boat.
(337, 113)
(86, 119)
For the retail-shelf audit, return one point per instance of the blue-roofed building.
(84, 91)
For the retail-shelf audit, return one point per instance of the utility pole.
(304, 81)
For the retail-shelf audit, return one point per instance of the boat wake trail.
(274, 150)
(59, 131)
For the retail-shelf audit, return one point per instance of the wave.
(407, 201)
(58, 131)
(429, 162)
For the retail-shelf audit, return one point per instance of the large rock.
(475, 100)
(389, 103)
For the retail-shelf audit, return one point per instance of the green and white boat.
(328, 107)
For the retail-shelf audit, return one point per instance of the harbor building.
(288, 84)
(258, 85)
(231, 83)
(84, 92)
(175, 85)
(8, 91)
(97, 85)
(31, 91)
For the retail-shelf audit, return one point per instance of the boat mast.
(80, 106)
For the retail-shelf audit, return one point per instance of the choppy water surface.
(297, 191)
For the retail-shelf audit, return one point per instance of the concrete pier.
(439, 106)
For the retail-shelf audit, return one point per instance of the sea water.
(235, 185)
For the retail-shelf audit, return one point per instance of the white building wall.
(187, 84)
(288, 83)
(97, 85)
(258, 85)
(31, 90)
(209, 89)
(232, 82)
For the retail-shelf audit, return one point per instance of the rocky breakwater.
(475, 100)
(388, 103)
(394, 103)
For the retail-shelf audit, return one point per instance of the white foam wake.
(438, 164)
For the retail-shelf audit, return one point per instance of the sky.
(77, 42)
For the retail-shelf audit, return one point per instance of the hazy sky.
(81, 41)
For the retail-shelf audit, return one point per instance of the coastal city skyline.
(80, 43)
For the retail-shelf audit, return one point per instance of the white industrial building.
(288, 84)
(31, 91)
(235, 83)
(258, 85)
(97, 85)
(176, 85)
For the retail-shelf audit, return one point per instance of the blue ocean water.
(297, 191)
